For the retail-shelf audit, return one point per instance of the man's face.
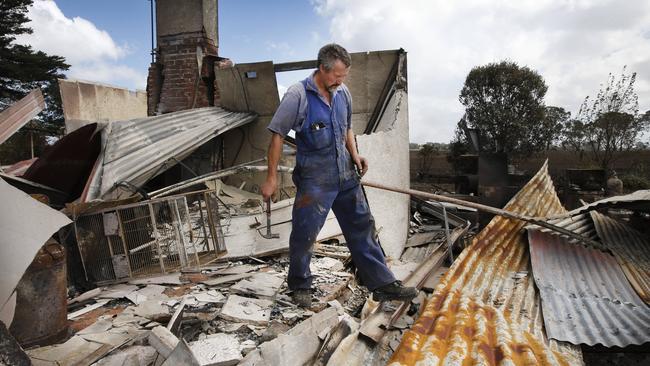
(334, 77)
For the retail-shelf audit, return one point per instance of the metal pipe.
(489, 209)
(449, 243)
(153, 49)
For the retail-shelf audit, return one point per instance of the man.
(319, 110)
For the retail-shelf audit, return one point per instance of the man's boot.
(394, 291)
(302, 297)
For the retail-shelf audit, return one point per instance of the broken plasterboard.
(388, 157)
(247, 310)
(217, 350)
(26, 225)
(263, 285)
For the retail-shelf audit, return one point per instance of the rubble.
(262, 285)
(217, 350)
(247, 310)
(184, 274)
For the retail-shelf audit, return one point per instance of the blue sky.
(573, 44)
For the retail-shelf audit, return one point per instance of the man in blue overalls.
(319, 110)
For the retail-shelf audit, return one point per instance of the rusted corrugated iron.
(631, 249)
(485, 309)
(21, 112)
(593, 303)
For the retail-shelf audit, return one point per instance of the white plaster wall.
(388, 157)
(87, 102)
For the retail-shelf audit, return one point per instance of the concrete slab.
(150, 309)
(244, 268)
(163, 341)
(112, 338)
(219, 349)
(301, 343)
(170, 279)
(69, 353)
(99, 326)
(263, 285)
(182, 355)
(225, 279)
(247, 310)
(211, 296)
(86, 295)
(130, 356)
(150, 292)
(117, 291)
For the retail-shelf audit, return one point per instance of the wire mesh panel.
(151, 237)
(94, 248)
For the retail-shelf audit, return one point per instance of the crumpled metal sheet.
(639, 200)
(586, 298)
(485, 310)
(138, 150)
(19, 113)
(631, 249)
(581, 224)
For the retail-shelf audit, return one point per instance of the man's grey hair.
(329, 53)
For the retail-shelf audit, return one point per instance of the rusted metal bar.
(480, 207)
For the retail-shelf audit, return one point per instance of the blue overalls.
(325, 178)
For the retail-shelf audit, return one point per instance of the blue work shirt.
(292, 111)
(322, 158)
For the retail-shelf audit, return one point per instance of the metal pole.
(153, 50)
(449, 243)
(508, 214)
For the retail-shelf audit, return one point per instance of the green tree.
(608, 124)
(425, 153)
(505, 103)
(574, 136)
(21, 70)
(551, 126)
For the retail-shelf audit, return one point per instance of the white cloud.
(91, 52)
(572, 44)
(282, 90)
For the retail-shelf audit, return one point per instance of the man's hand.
(269, 187)
(362, 165)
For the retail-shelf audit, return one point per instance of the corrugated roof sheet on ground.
(630, 247)
(485, 309)
(639, 200)
(581, 224)
(585, 295)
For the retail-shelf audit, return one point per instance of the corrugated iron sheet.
(67, 164)
(631, 249)
(19, 113)
(581, 224)
(137, 150)
(485, 309)
(639, 200)
(19, 168)
(586, 298)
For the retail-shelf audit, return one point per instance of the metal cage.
(151, 237)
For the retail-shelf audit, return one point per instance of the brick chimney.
(187, 46)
